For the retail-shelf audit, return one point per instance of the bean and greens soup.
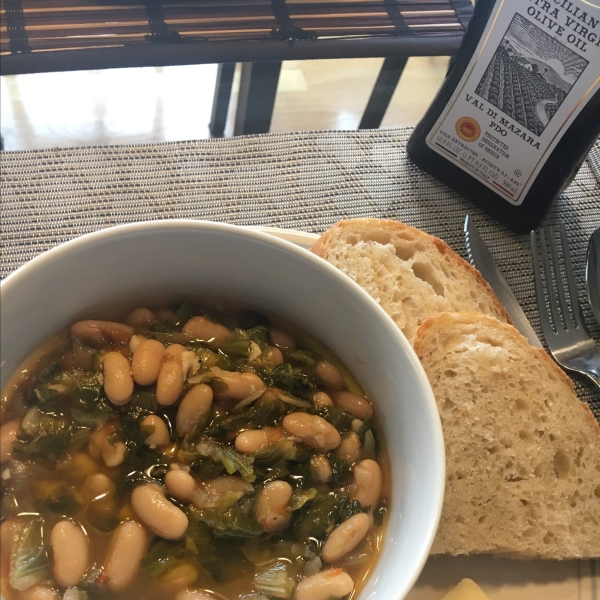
(188, 454)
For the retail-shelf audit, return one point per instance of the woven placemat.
(304, 181)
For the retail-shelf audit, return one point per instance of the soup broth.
(188, 453)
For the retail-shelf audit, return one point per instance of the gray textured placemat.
(304, 181)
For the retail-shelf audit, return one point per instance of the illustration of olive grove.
(515, 90)
(515, 83)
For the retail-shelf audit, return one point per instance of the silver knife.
(592, 274)
(481, 258)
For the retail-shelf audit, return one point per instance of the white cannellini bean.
(356, 425)
(203, 329)
(162, 516)
(252, 440)
(322, 399)
(180, 484)
(350, 449)
(171, 376)
(366, 483)
(147, 361)
(96, 485)
(8, 529)
(312, 430)
(356, 405)
(164, 314)
(160, 436)
(333, 583)
(118, 382)
(8, 435)
(272, 357)
(321, 468)
(193, 409)
(124, 555)
(70, 553)
(345, 537)
(134, 342)
(230, 483)
(330, 375)
(101, 333)
(272, 510)
(39, 592)
(282, 339)
(140, 317)
(113, 455)
(240, 386)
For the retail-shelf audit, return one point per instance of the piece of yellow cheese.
(467, 589)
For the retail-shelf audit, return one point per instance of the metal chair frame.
(261, 58)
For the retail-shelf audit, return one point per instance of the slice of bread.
(412, 275)
(522, 452)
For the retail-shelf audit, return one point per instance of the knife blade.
(592, 274)
(481, 258)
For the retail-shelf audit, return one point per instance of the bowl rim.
(100, 236)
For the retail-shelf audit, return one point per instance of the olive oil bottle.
(519, 109)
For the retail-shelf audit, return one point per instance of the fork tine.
(552, 299)
(560, 286)
(539, 287)
(573, 292)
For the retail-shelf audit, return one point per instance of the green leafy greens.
(29, 563)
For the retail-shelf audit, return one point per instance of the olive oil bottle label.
(536, 66)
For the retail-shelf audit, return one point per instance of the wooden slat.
(75, 24)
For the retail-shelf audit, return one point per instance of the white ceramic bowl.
(117, 266)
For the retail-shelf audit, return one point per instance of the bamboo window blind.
(39, 26)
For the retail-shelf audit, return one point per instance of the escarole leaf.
(252, 418)
(128, 429)
(163, 556)
(340, 470)
(259, 335)
(369, 446)
(199, 543)
(56, 496)
(239, 348)
(339, 418)
(184, 313)
(278, 452)
(84, 391)
(301, 497)
(29, 562)
(232, 522)
(368, 438)
(274, 580)
(228, 457)
(319, 516)
(305, 358)
(294, 401)
(285, 377)
(168, 337)
(43, 435)
(89, 406)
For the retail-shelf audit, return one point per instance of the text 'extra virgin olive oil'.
(519, 109)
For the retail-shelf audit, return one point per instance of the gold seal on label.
(468, 129)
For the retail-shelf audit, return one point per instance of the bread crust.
(438, 337)
(472, 318)
(320, 248)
